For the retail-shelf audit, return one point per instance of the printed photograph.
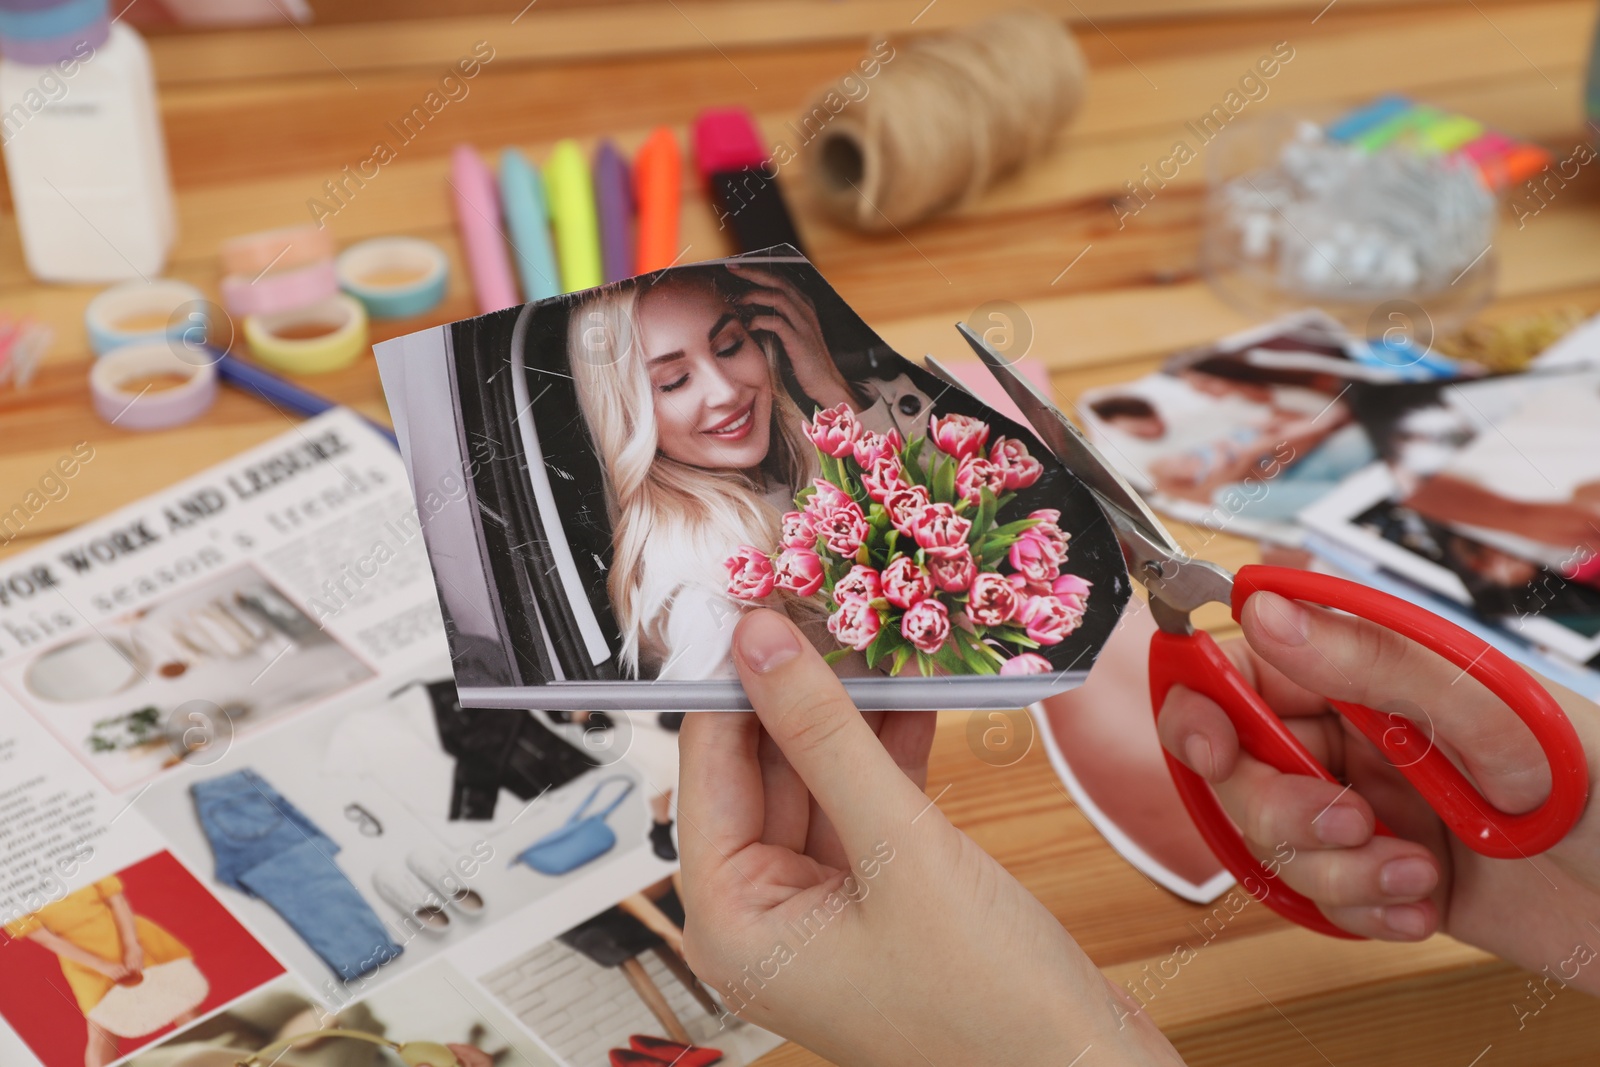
(646, 461)
(156, 687)
(1246, 432)
(112, 966)
(365, 840)
(432, 1009)
(615, 991)
(1482, 498)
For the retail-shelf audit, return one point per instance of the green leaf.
(985, 518)
(950, 659)
(901, 654)
(944, 481)
(924, 664)
(891, 539)
(880, 645)
(836, 655)
(1014, 529)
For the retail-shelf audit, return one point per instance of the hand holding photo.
(609, 479)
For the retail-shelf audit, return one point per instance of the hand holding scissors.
(1179, 655)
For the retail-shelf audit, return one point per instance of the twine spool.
(946, 116)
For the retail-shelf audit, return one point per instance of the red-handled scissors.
(1179, 654)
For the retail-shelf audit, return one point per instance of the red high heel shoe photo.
(679, 1055)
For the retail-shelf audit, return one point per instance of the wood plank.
(633, 30)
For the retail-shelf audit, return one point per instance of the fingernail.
(1197, 754)
(1407, 920)
(1412, 876)
(1284, 621)
(1341, 825)
(766, 642)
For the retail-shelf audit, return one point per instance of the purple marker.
(613, 194)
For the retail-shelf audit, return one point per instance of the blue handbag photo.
(582, 839)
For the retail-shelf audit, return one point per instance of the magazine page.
(241, 800)
(1245, 433)
(649, 459)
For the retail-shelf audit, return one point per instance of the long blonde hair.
(672, 524)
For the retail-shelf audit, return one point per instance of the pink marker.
(478, 215)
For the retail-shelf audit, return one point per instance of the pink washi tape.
(127, 391)
(252, 254)
(279, 290)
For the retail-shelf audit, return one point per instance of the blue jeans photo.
(266, 848)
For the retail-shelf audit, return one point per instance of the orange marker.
(657, 188)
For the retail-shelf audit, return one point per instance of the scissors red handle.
(1195, 661)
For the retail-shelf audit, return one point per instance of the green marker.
(570, 192)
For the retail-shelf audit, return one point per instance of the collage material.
(649, 459)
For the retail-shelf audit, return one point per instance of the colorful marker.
(478, 215)
(572, 212)
(658, 190)
(527, 219)
(614, 202)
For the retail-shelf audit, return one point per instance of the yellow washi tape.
(325, 336)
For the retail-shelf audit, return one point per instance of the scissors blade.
(1072, 449)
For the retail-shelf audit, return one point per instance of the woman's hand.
(1532, 911)
(830, 901)
(133, 958)
(781, 309)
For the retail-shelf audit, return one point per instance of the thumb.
(810, 717)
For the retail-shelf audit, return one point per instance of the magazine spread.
(241, 801)
(647, 460)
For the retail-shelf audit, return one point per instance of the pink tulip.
(798, 531)
(862, 583)
(1048, 620)
(993, 600)
(1073, 591)
(750, 574)
(798, 570)
(926, 626)
(843, 530)
(871, 447)
(976, 474)
(1017, 465)
(903, 505)
(834, 431)
(855, 624)
(1026, 663)
(1037, 559)
(883, 477)
(938, 526)
(958, 435)
(1048, 528)
(951, 569)
(827, 498)
(905, 584)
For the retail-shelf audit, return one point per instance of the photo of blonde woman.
(679, 380)
(610, 479)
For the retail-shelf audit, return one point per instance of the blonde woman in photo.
(679, 381)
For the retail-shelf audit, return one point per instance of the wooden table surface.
(257, 121)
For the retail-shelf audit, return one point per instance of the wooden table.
(257, 121)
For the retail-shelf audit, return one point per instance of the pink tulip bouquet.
(899, 542)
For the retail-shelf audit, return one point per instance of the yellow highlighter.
(570, 191)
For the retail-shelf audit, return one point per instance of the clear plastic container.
(1293, 219)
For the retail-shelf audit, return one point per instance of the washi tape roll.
(323, 337)
(136, 312)
(47, 51)
(56, 20)
(279, 290)
(148, 386)
(251, 254)
(394, 277)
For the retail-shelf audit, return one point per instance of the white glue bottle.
(81, 134)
